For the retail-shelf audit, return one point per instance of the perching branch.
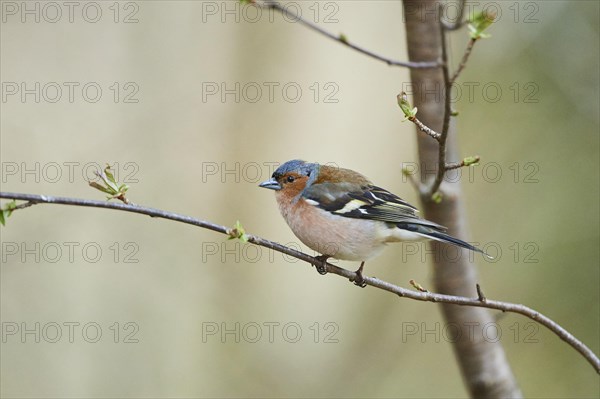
(273, 5)
(420, 295)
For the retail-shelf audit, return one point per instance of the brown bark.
(483, 364)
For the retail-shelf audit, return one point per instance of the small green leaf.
(109, 175)
(99, 187)
(109, 183)
(406, 107)
(111, 187)
(238, 232)
(479, 21)
(343, 38)
(437, 197)
(10, 207)
(470, 161)
(7, 211)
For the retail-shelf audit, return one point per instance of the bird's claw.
(321, 266)
(358, 279)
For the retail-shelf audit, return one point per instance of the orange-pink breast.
(337, 236)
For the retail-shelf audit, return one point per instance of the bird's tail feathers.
(441, 236)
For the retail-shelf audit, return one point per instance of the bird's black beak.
(270, 184)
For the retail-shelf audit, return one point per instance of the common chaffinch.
(340, 214)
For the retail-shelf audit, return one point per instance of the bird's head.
(292, 177)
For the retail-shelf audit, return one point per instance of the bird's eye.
(290, 179)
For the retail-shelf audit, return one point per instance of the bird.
(341, 214)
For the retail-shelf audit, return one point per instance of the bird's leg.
(359, 279)
(321, 267)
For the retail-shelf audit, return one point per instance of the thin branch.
(478, 23)
(459, 23)
(409, 113)
(23, 206)
(342, 39)
(424, 296)
(465, 162)
(485, 368)
(426, 129)
(441, 137)
(417, 185)
(441, 171)
(480, 294)
(463, 62)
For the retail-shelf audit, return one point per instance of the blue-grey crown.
(298, 166)
(302, 167)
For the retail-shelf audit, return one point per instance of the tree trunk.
(483, 364)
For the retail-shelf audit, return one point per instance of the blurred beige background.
(528, 105)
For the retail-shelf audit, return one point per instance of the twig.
(372, 281)
(410, 114)
(426, 129)
(441, 171)
(478, 23)
(465, 162)
(342, 39)
(480, 294)
(417, 185)
(23, 206)
(442, 137)
(459, 23)
(463, 62)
